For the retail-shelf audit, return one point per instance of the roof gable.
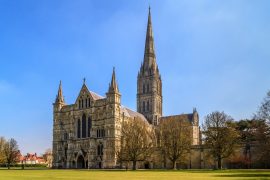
(85, 93)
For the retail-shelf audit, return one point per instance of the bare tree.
(263, 131)
(262, 137)
(264, 110)
(2, 145)
(221, 137)
(47, 156)
(11, 152)
(137, 141)
(174, 139)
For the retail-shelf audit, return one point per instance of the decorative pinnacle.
(60, 97)
(113, 85)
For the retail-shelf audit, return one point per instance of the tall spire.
(149, 51)
(113, 88)
(60, 97)
(149, 84)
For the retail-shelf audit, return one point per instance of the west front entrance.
(81, 162)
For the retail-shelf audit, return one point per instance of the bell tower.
(149, 84)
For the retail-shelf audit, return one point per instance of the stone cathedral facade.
(86, 134)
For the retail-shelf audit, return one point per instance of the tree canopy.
(220, 136)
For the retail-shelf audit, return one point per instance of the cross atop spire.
(113, 88)
(60, 97)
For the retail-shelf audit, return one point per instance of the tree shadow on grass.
(244, 175)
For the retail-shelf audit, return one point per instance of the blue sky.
(212, 55)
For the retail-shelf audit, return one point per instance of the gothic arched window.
(89, 126)
(147, 87)
(88, 102)
(79, 104)
(143, 88)
(143, 106)
(83, 126)
(79, 128)
(82, 103)
(100, 150)
(97, 132)
(147, 106)
(65, 136)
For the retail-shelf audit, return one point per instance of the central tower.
(149, 84)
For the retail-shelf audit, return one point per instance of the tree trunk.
(219, 163)
(174, 165)
(164, 162)
(121, 165)
(134, 165)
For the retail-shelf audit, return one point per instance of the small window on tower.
(82, 103)
(143, 88)
(65, 136)
(147, 87)
(79, 128)
(143, 106)
(89, 126)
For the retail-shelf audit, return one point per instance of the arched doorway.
(100, 155)
(73, 164)
(146, 165)
(80, 162)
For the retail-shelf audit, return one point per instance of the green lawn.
(130, 175)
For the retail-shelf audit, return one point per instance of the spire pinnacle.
(149, 14)
(113, 88)
(149, 51)
(60, 97)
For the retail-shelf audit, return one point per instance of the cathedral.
(86, 134)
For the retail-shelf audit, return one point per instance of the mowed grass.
(130, 175)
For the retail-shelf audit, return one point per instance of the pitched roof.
(95, 95)
(130, 113)
(187, 117)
